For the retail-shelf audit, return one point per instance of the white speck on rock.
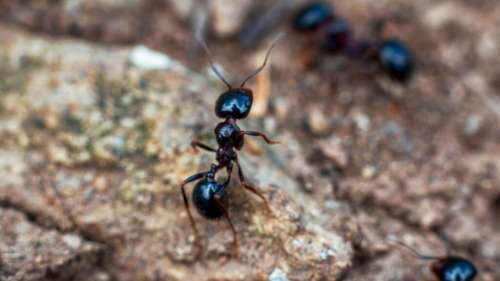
(325, 254)
(73, 241)
(277, 275)
(362, 121)
(146, 58)
(298, 242)
(472, 125)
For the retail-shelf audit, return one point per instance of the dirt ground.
(94, 145)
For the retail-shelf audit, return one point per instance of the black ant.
(447, 268)
(209, 195)
(392, 54)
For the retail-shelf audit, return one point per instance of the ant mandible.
(392, 54)
(447, 268)
(209, 195)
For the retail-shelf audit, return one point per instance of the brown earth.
(93, 146)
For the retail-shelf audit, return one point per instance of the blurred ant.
(392, 54)
(209, 195)
(447, 268)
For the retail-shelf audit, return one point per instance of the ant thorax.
(228, 133)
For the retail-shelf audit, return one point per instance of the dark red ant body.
(447, 268)
(209, 195)
(336, 37)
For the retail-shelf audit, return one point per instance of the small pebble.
(72, 241)
(368, 172)
(277, 275)
(318, 122)
(332, 148)
(362, 122)
(472, 125)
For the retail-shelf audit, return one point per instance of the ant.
(208, 195)
(447, 268)
(391, 54)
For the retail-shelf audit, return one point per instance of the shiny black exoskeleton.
(336, 37)
(454, 269)
(234, 103)
(312, 16)
(209, 195)
(447, 268)
(396, 59)
(228, 133)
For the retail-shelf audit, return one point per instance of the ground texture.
(94, 143)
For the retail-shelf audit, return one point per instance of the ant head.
(452, 268)
(235, 102)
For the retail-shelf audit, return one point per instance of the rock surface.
(30, 252)
(97, 127)
(108, 142)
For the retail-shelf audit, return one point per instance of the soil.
(93, 148)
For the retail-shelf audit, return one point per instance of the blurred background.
(100, 99)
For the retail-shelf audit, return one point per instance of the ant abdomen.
(396, 58)
(205, 197)
(234, 103)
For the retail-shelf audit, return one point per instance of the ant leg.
(228, 219)
(229, 170)
(195, 144)
(259, 134)
(250, 187)
(192, 178)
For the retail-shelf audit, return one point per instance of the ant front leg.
(218, 200)
(190, 179)
(250, 187)
(259, 134)
(195, 144)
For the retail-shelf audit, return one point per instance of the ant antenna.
(212, 64)
(413, 251)
(276, 39)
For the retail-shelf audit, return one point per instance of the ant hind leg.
(228, 219)
(249, 187)
(197, 239)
